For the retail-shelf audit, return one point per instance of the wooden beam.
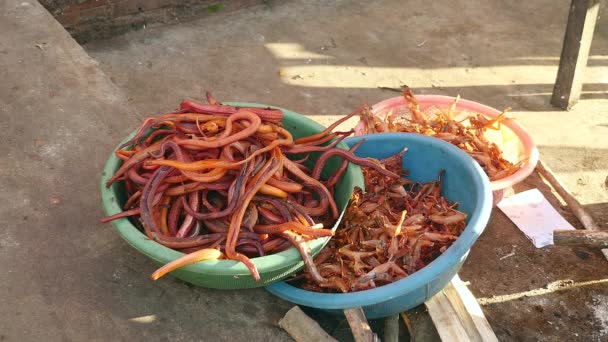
(575, 52)
(583, 238)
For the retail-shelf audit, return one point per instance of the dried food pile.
(389, 231)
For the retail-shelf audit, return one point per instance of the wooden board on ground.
(457, 315)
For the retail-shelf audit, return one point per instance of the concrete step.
(63, 275)
(61, 117)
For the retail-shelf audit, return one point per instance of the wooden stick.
(458, 316)
(570, 200)
(584, 238)
(303, 328)
(573, 204)
(359, 326)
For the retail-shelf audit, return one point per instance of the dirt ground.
(324, 59)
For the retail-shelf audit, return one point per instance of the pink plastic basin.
(514, 141)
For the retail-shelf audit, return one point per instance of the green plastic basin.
(228, 274)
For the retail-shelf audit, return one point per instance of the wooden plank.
(575, 52)
(470, 311)
(458, 316)
(303, 328)
(571, 201)
(583, 238)
(359, 326)
(445, 318)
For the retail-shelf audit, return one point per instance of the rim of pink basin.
(529, 147)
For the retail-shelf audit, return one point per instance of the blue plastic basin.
(464, 182)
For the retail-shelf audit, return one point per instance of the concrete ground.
(66, 277)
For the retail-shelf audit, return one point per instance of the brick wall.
(97, 19)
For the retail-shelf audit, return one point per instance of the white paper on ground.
(534, 216)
